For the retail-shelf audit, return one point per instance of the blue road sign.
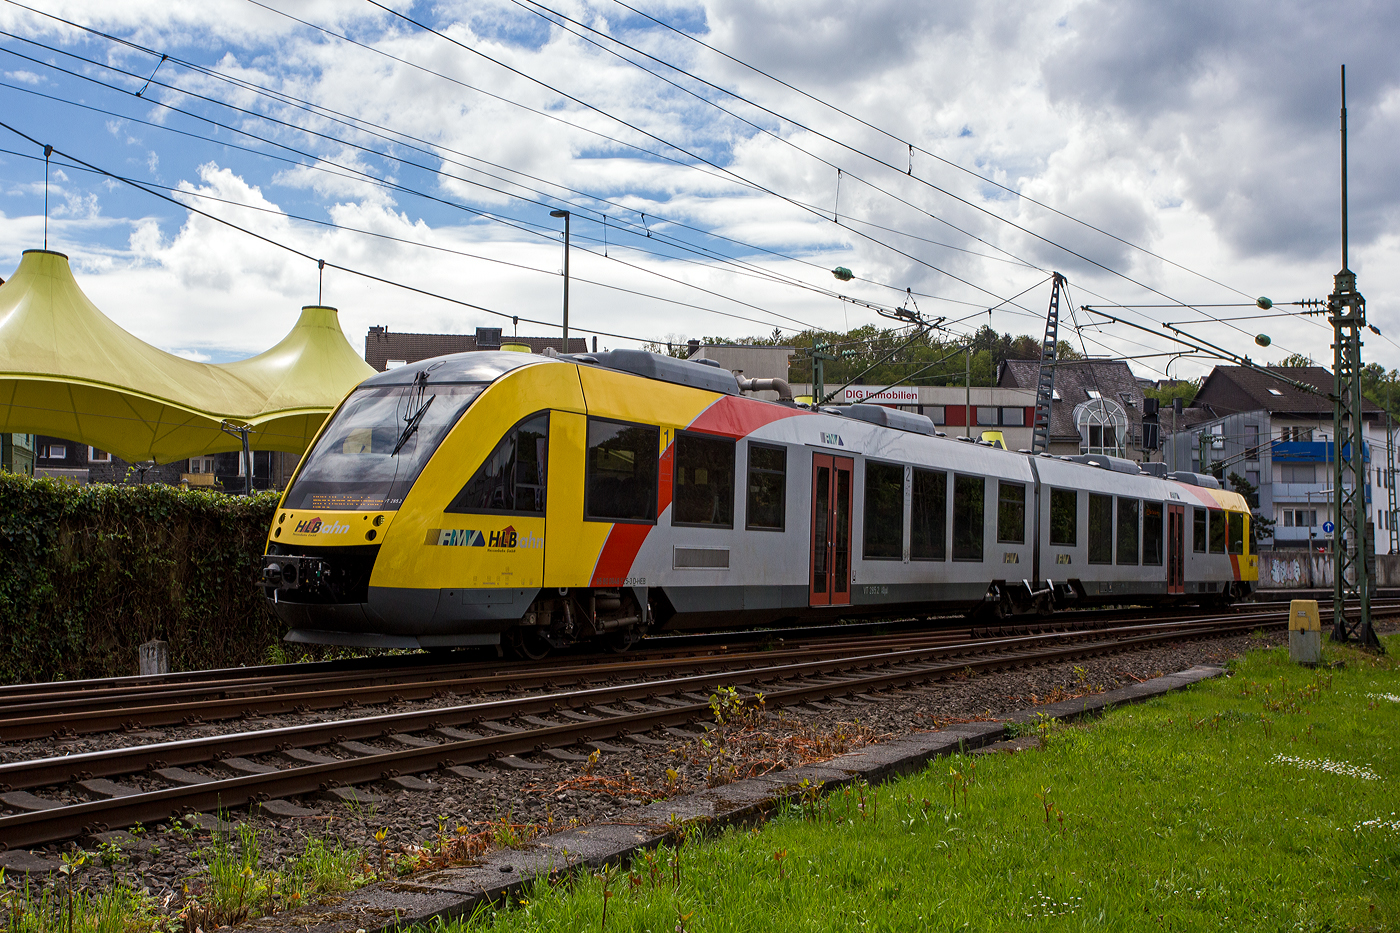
(1327, 528)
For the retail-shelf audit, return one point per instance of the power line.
(307, 256)
(913, 147)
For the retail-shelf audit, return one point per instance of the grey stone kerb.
(453, 892)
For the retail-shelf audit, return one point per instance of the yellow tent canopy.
(69, 371)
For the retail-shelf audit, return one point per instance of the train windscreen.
(376, 445)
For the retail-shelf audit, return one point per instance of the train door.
(831, 530)
(1176, 548)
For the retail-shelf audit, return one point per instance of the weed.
(592, 762)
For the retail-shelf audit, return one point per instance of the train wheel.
(528, 645)
(622, 641)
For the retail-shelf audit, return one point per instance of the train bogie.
(495, 497)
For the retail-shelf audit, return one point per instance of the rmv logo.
(832, 439)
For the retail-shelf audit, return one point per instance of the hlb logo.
(314, 526)
(504, 538)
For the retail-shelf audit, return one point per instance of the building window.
(986, 415)
(1198, 531)
(201, 464)
(1064, 517)
(1128, 531)
(1103, 427)
(884, 511)
(620, 472)
(1093, 393)
(969, 505)
(1011, 513)
(1100, 529)
(938, 414)
(1299, 472)
(99, 456)
(1217, 531)
(512, 479)
(1251, 435)
(1288, 518)
(1013, 417)
(927, 537)
(1276, 393)
(767, 501)
(394, 364)
(57, 452)
(1152, 534)
(703, 482)
(1236, 524)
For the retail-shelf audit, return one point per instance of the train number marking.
(876, 590)
(635, 581)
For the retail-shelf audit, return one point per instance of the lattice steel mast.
(1049, 356)
(1346, 309)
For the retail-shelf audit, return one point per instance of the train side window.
(884, 511)
(1011, 513)
(1100, 529)
(1064, 517)
(1128, 530)
(1236, 523)
(513, 477)
(969, 504)
(928, 538)
(767, 500)
(1152, 533)
(1198, 531)
(1217, 531)
(703, 482)
(620, 473)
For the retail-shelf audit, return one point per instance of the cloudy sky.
(719, 158)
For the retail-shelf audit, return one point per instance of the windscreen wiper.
(412, 425)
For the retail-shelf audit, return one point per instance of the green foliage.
(1184, 389)
(869, 346)
(88, 573)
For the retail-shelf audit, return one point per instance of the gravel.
(166, 857)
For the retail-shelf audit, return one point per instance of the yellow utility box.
(1304, 632)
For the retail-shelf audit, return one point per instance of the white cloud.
(1203, 132)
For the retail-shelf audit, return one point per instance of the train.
(533, 502)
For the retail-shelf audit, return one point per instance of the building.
(17, 453)
(1097, 408)
(62, 459)
(1280, 439)
(385, 349)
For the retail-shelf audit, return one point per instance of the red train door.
(1176, 548)
(831, 530)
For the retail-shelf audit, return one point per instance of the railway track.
(62, 708)
(334, 758)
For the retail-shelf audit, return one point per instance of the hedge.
(88, 573)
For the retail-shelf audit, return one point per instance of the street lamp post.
(565, 215)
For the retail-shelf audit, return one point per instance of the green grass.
(1265, 801)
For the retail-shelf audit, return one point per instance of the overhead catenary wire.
(393, 186)
(730, 173)
(307, 256)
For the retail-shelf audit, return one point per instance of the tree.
(1259, 526)
(1296, 360)
(1184, 389)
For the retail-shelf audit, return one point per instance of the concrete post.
(155, 658)
(1304, 633)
